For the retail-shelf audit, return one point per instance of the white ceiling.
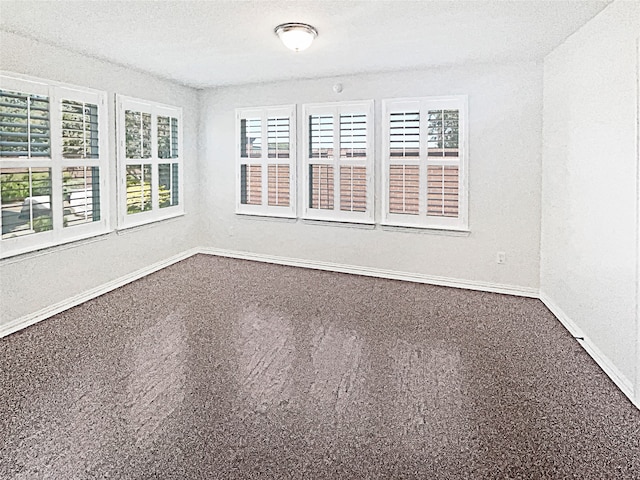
(221, 42)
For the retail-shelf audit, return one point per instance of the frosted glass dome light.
(296, 36)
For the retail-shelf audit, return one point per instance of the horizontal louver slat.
(42, 106)
(22, 135)
(20, 125)
(25, 153)
(13, 114)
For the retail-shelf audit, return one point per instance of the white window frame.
(423, 105)
(264, 113)
(57, 91)
(336, 109)
(156, 213)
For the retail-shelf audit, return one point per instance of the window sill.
(450, 232)
(339, 223)
(134, 227)
(445, 231)
(267, 218)
(46, 249)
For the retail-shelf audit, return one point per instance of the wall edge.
(607, 366)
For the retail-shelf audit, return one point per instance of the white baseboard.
(377, 272)
(35, 317)
(623, 383)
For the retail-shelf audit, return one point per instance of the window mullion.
(29, 125)
(84, 130)
(264, 160)
(423, 158)
(336, 161)
(30, 195)
(155, 163)
(55, 139)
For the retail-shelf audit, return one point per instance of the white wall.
(589, 243)
(505, 111)
(37, 280)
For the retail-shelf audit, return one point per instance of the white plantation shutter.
(24, 125)
(353, 188)
(139, 193)
(149, 161)
(353, 135)
(424, 162)
(251, 138)
(53, 163)
(404, 189)
(79, 129)
(251, 180)
(266, 161)
(279, 185)
(168, 173)
(26, 164)
(404, 161)
(353, 178)
(279, 174)
(443, 180)
(321, 186)
(321, 136)
(404, 134)
(27, 206)
(339, 162)
(84, 159)
(81, 195)
(167, 137)
(442, 191)
(250, 148)
(321, 178)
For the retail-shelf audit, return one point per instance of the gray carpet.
(221, 368)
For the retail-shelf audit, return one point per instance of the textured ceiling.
(221, 42)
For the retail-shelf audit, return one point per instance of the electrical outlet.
(501, 257)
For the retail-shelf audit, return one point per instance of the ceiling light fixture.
(296, 36)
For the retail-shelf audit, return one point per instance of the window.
(53, 163)
(266, 160)
(424, 162)
(149, 161)
(338, 162)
